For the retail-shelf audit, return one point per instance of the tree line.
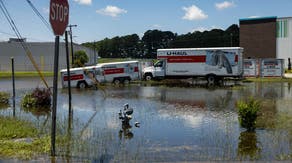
(131, 46)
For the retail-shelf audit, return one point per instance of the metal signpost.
(59, 18)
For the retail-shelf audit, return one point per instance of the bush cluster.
(248, 113)
(39, 97)
(4, 98)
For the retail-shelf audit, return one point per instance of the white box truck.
(115, 72)
(214, 64)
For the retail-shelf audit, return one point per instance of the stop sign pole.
(59, 18)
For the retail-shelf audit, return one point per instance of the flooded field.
(176, 124)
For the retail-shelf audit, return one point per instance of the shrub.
(4, 98)
(248, 113)
(80, 58)
(39, 97)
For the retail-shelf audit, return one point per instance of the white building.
(267, 37)
(43, 53)
(284, 39)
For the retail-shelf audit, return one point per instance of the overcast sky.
(98, 19)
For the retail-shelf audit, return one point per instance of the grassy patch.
(271, 79)
(12, 128)
(107, 60)
(19, 139)
(25, 74)
(288, 71)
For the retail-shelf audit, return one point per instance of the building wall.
(284, 39)
(258, 37)
(43, 54)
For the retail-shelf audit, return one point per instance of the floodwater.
(176, 124)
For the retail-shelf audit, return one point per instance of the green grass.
(288, 71)
(25, 74)
(11, 145)
(268, 79)
(12, 128)
(107, 60)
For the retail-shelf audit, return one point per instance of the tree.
(156, 39)
(146, 47)
(80, 58)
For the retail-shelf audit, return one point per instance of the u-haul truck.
(115, 72)
(211, 63)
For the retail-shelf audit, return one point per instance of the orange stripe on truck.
(113, 71)
(136, 69)
(184, 59)
(74, 77)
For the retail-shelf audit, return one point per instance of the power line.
(23, 44)
(6, 33)
(39, 15)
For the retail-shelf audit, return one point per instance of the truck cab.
(157, 71)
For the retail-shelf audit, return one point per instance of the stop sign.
(59, 16)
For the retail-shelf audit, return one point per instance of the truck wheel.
(220, 81)
(211, 79)
(82, 85)
(148, 77)
(126, 81)
(117, 81)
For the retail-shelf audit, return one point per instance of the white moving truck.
(214, 64)
(115, 72)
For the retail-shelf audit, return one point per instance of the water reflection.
(179, 124)
(125, 132)
(248, 146)
(38, 111)
(4, 106)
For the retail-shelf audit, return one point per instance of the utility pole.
(72, 52)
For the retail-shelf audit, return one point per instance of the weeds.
(248, 113)
(4, 98)
(39, 97)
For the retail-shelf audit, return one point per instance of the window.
(158, 64)
(282, 28)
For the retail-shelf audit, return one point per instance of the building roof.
(258, 18)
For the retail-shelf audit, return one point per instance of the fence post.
(13, 85)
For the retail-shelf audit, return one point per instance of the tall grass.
(248, 113)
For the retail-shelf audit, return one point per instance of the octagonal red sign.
(59, 16)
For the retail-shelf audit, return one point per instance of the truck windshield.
(158, 64)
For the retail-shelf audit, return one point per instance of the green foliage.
(131, 46)
(8, 74)
(248, 113)
(18, 139)
(39, 97)
(15, 128)
(4, 98)
(80, 58)
(28, 101)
